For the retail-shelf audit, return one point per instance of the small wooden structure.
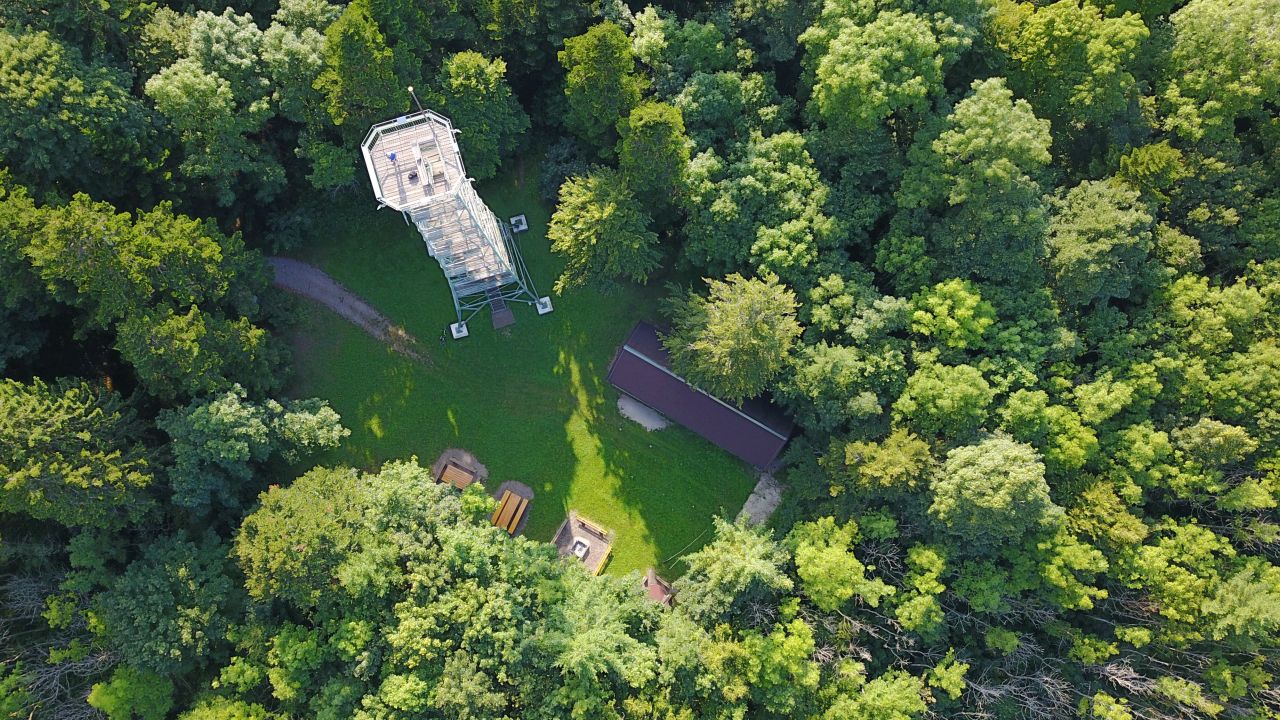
(510, 511)
(584, 540)
(457, 476)
(458, 468)
(657, 589)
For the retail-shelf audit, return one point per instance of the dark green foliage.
(70, 453)
(68, 123)
(1099, 242)
(766, 209)
(218, 442)
(602, 86)
(1037, 459)
(653, 153)
(168, 612)
(973, 188)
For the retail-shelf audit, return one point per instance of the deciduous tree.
(734, 342)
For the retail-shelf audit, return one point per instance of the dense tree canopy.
(1012, 267)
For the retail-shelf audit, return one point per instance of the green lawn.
(530, 401)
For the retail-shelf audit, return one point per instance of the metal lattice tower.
(416, 167)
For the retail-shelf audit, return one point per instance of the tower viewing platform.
(415, 167)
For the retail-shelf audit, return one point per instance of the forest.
(1013, 267)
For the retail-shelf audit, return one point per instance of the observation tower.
(416, 167)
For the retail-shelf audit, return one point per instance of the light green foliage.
(70, 453)
(740, 566)
(952, 313)
(887, 70)
(902, 461)
(1246, 606)
(1099, 242)
(217, 441)
(1103, 706)
(133, 694)
(735, 341)
(829, 573)
(975, 176)
(602, 230)
(1153, 169)
(477, 99)
(896, 695)
(1180, 569)
(948, 675)
(1072, 63)
(602, 85)
(1224, 65)
(944, 401)
(991, 494)
(765, 209)
(63, 120)
(674, 50)
(215, 97)
(601, 639)
(771, 672)
(167, 612)
(653, 153)
(292, 52)
(831, 385)
(217, 707)
(1055, 430)
(290, 547)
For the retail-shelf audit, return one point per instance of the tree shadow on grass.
(669, 484)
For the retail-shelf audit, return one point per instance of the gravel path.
(763, 501)
(312, 283)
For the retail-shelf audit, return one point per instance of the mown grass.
(530, 401)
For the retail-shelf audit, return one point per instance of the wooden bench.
(521, 506)
(457, 476)
(502, 515)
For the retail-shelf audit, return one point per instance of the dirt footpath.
(312, 283)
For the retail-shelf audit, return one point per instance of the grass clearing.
(530, 401)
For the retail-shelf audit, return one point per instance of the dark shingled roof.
(756, 431)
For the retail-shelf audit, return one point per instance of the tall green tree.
(70, 453)
(653, 153)
(217, 442)
(602, 85)
(765, 209)
(888, 71)
(1099, 242)
(359, 81)
(475, 95)
(740, 566)
(1074, 65)
(69, 124)
(1225, 64)
(602, 230)
(944, 401)
(991, 494)
(972, 189)
(168, 613)
(735, 341)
